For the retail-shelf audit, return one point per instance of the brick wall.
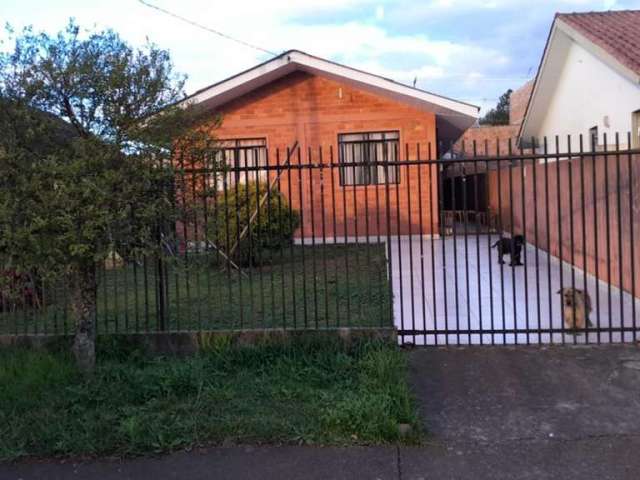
(518, 103)
(313, 110)
(584, 226)
(488, 139)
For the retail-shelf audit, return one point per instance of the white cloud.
(362, 33)
(207, 58)
(364, 46)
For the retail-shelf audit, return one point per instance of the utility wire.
(202, 27)
(255, 47)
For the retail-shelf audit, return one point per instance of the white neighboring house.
(588, 82)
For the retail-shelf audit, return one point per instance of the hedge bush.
(270, 229)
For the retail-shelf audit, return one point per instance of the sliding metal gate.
(371, 233)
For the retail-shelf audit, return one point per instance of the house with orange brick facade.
(298, 108)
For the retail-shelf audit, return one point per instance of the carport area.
(453, 291)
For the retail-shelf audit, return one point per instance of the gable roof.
(617, 33)
(453, 116)
(613, 37)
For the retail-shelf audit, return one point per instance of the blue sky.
(470, 50)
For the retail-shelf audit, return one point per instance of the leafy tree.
(88, 130)
(500, 114)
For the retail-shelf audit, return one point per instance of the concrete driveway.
(527, 412)
(456, 284)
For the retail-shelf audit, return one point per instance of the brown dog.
(576, 307)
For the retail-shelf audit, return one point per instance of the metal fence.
(372, 233)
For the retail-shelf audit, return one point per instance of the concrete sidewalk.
(264, 463)
(591, 458)
(492, 413)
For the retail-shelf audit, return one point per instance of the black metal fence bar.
(376, 234)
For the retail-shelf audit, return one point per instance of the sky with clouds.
(471, 50)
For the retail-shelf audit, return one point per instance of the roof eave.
(287, 62)
(534, 90)
(598, 51)
(559, 24)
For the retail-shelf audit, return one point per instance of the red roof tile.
(617, 32)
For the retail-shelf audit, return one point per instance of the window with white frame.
(241, 156)
(367, 154)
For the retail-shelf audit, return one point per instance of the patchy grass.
(301, 287)
(314, 393)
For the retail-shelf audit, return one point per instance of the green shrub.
(271, 227)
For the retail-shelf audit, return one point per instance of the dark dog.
(511, 246)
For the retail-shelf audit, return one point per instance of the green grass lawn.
(317, 392)
(301, 287)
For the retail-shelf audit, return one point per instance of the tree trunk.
(83, 306)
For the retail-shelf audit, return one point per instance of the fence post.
(160, 293)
